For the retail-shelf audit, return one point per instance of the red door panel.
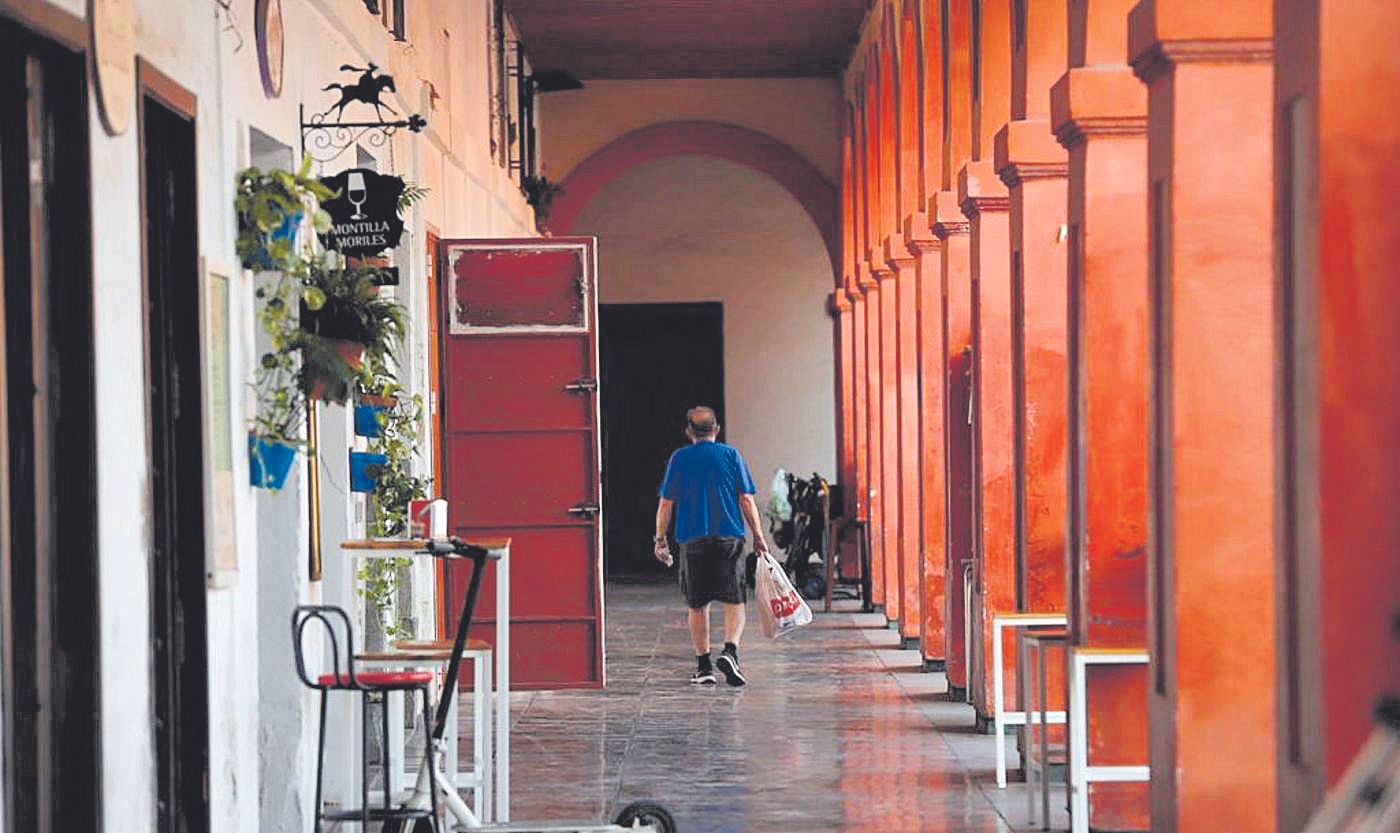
(525, 375)
(547, 472)
(574, 600)
(520, 439)
(547, 654)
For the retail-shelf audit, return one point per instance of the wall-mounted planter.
(260, 259)
(329, 385)
(365, 468)
(269, 462)
(367, 413)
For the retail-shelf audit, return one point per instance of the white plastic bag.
(781, 608)
(778, 505)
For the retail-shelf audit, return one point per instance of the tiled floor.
(837, 731)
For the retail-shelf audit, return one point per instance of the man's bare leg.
(700, 629)
(734, 622)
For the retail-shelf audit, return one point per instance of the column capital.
(897, 254)
(1103, 100)
(979, 190)
(864, 280)
(945, 217)
(879, 269)
(1162, 35)
(1026, 149)
(838, 303)
(918, 235)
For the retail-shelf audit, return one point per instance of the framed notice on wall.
(221, 552)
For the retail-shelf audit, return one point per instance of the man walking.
(708, 486)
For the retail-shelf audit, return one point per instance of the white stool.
(1003, 718)
(1035, 753)
(434, 656)
(1081, 772)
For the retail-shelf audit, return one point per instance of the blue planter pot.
(367, 419)
(261, 260)
(364, 470)
(269, 462)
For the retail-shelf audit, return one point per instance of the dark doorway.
(657, 361)
(180, 675)
(48, 578)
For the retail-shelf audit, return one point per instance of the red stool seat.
(379, 679)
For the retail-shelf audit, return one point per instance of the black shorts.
(712, 570)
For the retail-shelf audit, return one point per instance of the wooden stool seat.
(439, 645)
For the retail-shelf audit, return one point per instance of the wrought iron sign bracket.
(325, 140)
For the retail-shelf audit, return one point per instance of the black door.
(657, 360)
(48, 467)
(180, 676)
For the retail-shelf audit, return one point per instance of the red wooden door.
(521, 444)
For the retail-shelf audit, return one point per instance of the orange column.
(924, 37)
(891, 530)
(869, 289)
(870, 286)
(1033, 166)
(839, 306)
(908, 487)
(1212, 482)
(888, 402)
(1099, 112)
(1335, 183)
(985, 203)
(984, 200)
(908, 188)
(930, 371)
(857, 499)
(951, 227)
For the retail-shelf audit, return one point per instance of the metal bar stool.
(336, 625)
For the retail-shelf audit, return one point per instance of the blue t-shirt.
(705, 480)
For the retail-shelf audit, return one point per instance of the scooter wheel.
(644, 814)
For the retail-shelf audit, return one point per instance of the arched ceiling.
(690, 38)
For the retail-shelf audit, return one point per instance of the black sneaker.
(705, 677)
(729, 667)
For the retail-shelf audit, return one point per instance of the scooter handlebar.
(455, 546)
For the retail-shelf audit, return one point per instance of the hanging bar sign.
(365, 215)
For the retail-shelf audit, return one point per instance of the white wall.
(690, 228)
(801, 112)
(260, 719)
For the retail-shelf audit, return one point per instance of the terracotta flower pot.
(353, 354)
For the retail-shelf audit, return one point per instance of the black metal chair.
(343, 677)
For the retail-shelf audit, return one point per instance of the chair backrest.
(335, 624)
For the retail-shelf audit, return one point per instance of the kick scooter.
(642, 817)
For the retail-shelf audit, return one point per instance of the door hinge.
(582, 386)
(585, 510)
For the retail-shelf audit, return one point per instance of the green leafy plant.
(410, 195)
(281, 409)
(539, 193)
(342, 317)
(398, 441)
(270, 205)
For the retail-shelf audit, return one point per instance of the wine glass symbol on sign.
(356, 193)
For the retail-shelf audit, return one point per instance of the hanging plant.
(344, 322)
(398, 441)
(270, 207)
(539, 193)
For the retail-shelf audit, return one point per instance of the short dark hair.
(702, 420)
